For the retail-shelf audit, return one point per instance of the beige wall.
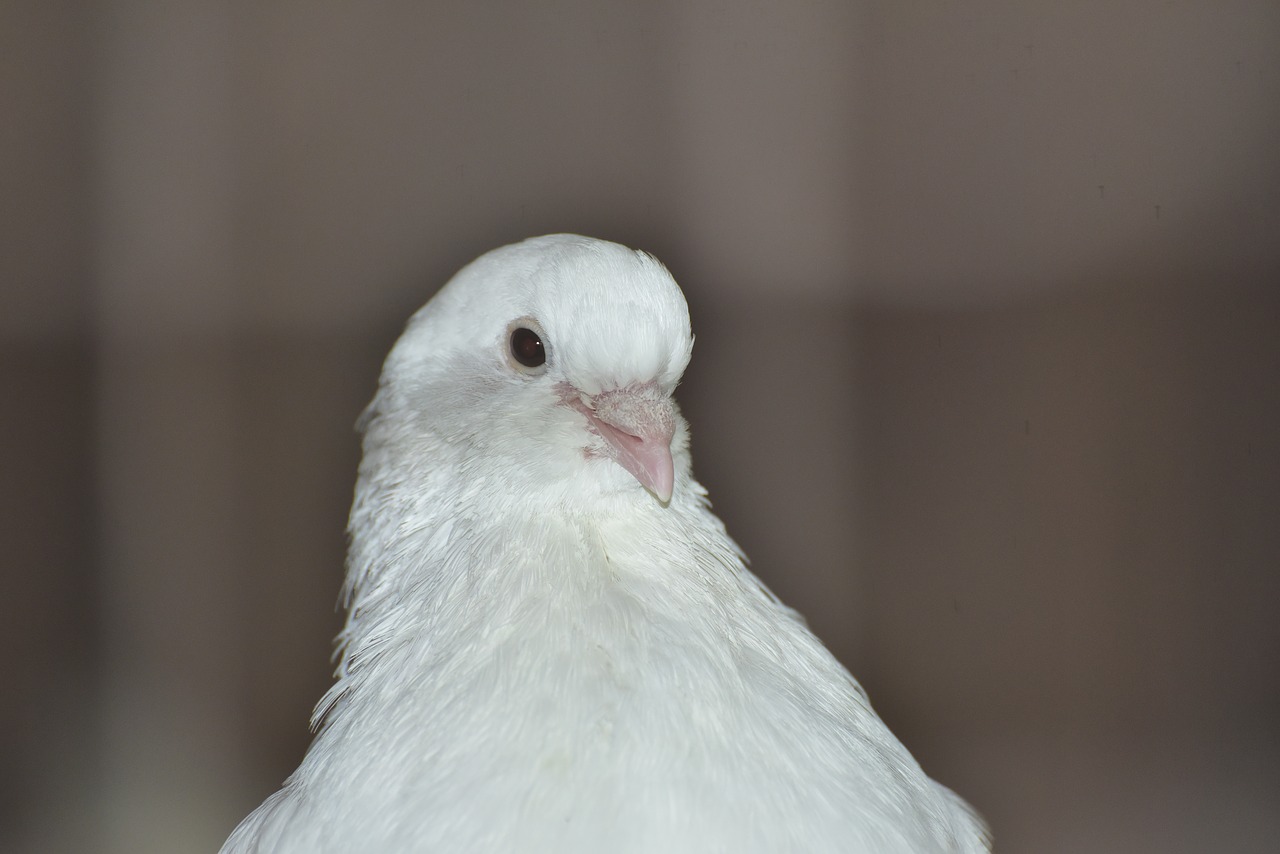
(987, 299)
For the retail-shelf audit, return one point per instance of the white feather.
(539, 655)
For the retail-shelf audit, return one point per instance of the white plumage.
(552, 644)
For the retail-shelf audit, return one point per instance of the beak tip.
(653, 468)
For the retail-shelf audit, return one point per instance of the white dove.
(552, 645)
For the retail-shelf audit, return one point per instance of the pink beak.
(637, 423)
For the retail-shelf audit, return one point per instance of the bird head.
(546, 362)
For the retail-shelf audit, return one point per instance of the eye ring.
(526, 347)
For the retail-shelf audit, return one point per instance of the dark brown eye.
(526, 348)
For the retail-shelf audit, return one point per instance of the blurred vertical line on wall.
(46, 501)
(163, 309)
(767, 102)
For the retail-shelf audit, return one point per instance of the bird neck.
(444, 554)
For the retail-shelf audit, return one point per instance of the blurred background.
(987, 381)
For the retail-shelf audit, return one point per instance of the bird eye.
(526, 347)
